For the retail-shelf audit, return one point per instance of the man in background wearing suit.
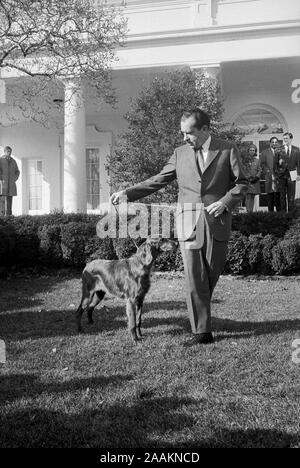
(9, 174)
(209, 174)
(267, 164)
(293, 157)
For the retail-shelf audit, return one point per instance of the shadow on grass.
(249, 438)
(144, 423)
(13, 387)
(19, 293)
(41, 324)
(34, 324)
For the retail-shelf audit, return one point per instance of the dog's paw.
(136, 340)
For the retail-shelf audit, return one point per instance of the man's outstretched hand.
(117, 197)
(216, 209)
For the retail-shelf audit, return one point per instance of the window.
(93, 178)
(35, 185)
(260, 121)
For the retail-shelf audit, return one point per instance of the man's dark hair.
(7, 148)
(201, 117)
(289, 135)
(274, 138)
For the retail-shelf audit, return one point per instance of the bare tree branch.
(60, 40)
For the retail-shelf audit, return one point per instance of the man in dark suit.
(267, 164)
(282, 175)
(210, 176)
(293, 157)
(9, 174)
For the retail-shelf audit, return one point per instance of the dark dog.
(128, 279)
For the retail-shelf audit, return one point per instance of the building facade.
(251, 46)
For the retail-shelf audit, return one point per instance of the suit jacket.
(223, 180)
(294, 160)
(267, 165)
(281, 166)
(9, 174)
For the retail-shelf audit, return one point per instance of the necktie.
(200, 159)
(287, 151)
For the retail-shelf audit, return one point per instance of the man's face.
(252, 151)
(7, 152)
(274, 143)
(287, 140)
(192, 135)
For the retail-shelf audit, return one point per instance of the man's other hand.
(216, 209)
(117, 197)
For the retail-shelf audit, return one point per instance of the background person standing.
(293, 158)
(253, 173)
(282, 175)
(9, 174)
(267, 165)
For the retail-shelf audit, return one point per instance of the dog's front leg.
(139, 306)
(131, 314)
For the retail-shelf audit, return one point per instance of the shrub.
(166, 261)
(268, 243)
(73, 242)
(286, 254)
(58, 239)
(50, 245)
(27, 243)
(237, 257)
(7, 244)
(255, 253)
(276, 224)
(286, 257)
(99, 249)
(294, 231)
(179, 261)
(124, 248)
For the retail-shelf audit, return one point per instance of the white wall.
(237, 12)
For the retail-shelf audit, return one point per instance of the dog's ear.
(146, 254)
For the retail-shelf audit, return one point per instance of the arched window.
(258, 120)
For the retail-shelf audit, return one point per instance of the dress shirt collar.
(206, 145)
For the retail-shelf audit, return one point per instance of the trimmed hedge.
(263, 243)
(276, 224)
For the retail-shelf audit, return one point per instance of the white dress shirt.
(205, 148)
(288, 149)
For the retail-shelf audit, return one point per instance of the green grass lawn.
(61, 389)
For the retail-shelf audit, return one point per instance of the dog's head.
(150, 249)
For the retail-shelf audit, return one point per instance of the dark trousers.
(283, 190)
(6, 205)
(291, 193)
(202, 268)
(273, 201)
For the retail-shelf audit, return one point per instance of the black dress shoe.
(201, 338)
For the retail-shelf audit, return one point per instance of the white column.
(2, 91)
(74, 199)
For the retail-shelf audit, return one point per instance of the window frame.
(40, 209)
